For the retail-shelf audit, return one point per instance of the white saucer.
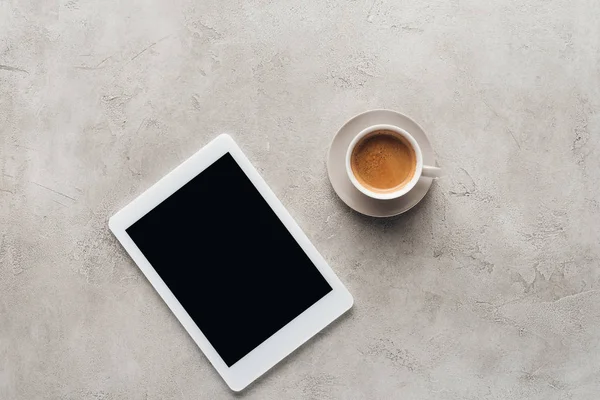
(336, 164)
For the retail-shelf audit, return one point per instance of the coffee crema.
(383, 161)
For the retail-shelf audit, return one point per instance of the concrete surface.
(489, 289)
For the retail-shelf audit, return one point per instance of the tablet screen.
(228, 259)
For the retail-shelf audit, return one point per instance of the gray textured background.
(489, 289)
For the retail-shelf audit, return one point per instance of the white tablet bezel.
(288, 338)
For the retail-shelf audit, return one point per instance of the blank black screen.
(228, 259)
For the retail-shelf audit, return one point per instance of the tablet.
(230, 262)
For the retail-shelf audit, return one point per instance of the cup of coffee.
(385, 162)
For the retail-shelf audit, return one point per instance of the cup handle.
(431, 172)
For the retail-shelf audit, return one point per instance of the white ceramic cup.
(420, 170)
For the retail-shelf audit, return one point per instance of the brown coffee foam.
(383, 161)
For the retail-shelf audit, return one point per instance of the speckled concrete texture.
(489, 289)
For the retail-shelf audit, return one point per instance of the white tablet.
(230, 262)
